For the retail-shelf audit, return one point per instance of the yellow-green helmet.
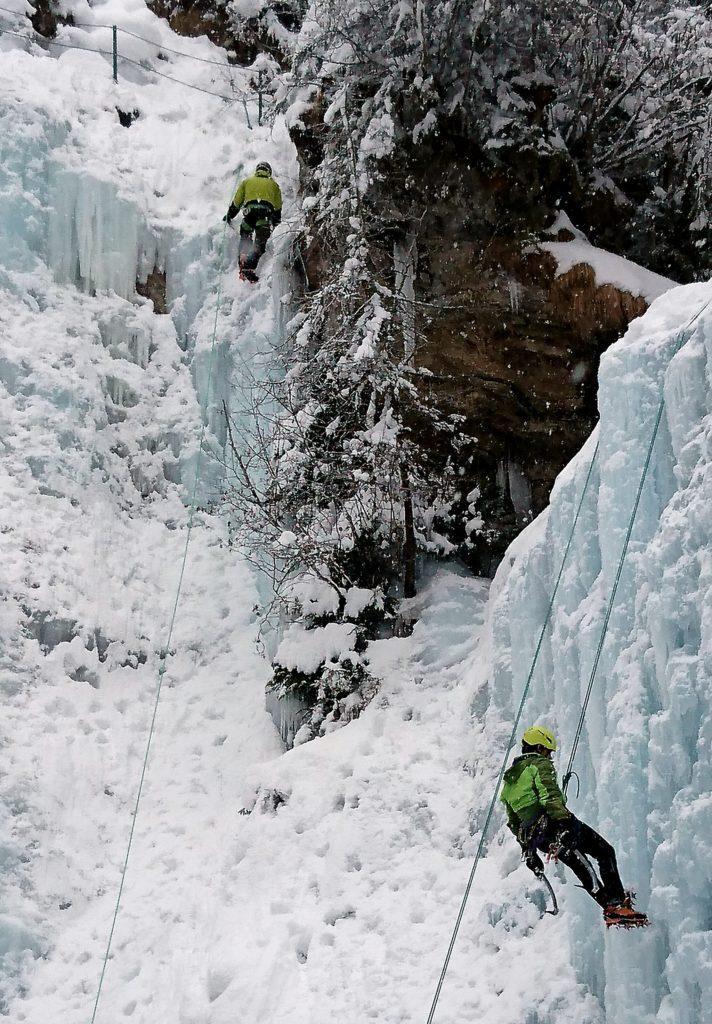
(540, 736)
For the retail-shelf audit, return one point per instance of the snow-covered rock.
(303, 650)
(623, 274)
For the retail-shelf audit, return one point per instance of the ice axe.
(229, 224)
(545, 881)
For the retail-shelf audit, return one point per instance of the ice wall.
(644, 760)
(95, 238)
(88, 233)
(23, 183)
(94, 233)
(101, 406)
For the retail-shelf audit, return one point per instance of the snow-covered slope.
(644, 763)
(337, 891)
(367, 836)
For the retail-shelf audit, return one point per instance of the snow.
(358, 599)
(304, 650)
(609, 269)
(102, 403)
(347, 873)
(315, 596)
(379, 138)
(562, 222)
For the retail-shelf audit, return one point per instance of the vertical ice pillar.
(93, 235)
(23, 185)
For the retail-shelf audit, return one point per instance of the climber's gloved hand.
(566, 835)
(232, 212)
(534, 862)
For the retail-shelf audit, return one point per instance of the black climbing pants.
(255, 229)
(584, 840)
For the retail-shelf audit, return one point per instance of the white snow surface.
(334, 894)
(304, 650)
(607, 266)
(101, 405)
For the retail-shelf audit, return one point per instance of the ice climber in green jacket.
(260, 199)
(539, 818)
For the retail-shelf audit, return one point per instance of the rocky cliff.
(510, 324)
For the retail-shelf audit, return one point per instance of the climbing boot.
(624, 914)
(246, 271)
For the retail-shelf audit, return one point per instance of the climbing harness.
(512, 737)
(166, 647)
(529, 836)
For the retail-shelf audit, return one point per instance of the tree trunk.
(409, 547)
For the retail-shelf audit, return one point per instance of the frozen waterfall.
(333, 894)
(644, 761)
(102, 401)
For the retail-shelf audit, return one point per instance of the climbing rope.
(681, 339)
(166, 648)
(511, 742)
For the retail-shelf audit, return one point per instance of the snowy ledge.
(608, 268)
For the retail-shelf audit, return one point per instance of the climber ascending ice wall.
(332, 896)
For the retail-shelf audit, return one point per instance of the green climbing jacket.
(260, 188)
(530, 790)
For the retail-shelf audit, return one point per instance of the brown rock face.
(593, 307)
(47, 17)
(154, 288)
(515, 351)
(508, 346)
(513, 348)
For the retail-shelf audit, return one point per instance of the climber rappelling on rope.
(539, 818)
(260, 199)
